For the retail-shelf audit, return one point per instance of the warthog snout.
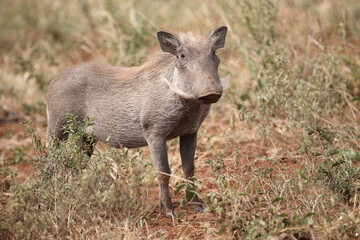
(210, 97)
(212, 93)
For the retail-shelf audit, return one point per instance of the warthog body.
(168, 96)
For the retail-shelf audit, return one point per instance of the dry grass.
(278, 157)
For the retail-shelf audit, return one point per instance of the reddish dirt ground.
(194, 225)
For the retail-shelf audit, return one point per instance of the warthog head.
(196, 68)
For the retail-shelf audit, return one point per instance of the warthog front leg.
(160, 158)
(187, 152)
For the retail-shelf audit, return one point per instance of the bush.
(73, 196)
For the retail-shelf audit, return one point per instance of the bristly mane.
(189, 38)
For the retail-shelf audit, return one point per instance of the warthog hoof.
(200, 208)
(170, 214)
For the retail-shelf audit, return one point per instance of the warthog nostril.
(209, 98)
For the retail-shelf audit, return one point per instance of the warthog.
(168, 96)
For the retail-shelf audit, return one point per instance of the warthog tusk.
(225, 82)
(177, 90)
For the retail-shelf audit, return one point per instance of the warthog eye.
(182, 55)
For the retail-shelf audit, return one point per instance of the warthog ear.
(217, 37)
(168, 42)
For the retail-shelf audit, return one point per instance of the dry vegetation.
(278, 158)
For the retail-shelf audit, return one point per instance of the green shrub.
(72, 196)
